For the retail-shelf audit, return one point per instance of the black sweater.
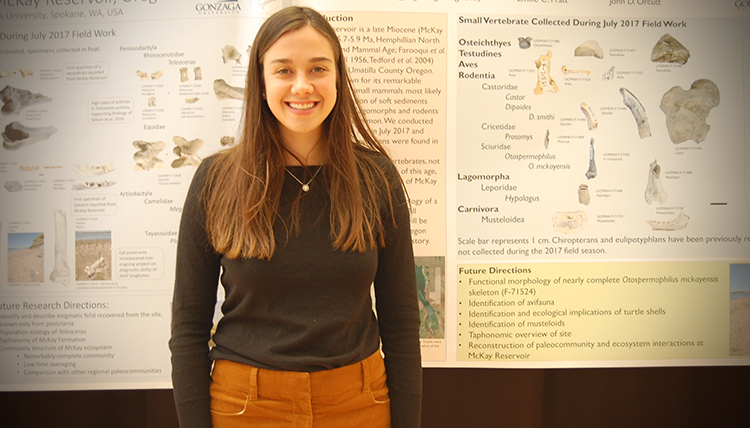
(308, 308)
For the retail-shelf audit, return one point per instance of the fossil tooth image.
(93, 171)
(230, 53)
(583, 194)
(141, 75)
(198, 73)
(590, 48)
(524, 42)
(639, 113)
(570, 221)
(224, 91)
(668, 49)
(186, 151)
(654, 189)
(591, 173)
(61, 272)
(679, 222)
(15, 100)
(610, 74)
(17, 135)
(566, 70)
(544, 83)
(93, 185)
(227, 141)
(26, 72)
(13, 186)
(591, 120)
(147, 156)
(687, 111)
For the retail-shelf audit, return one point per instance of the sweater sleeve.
(196, 281)
(398, 312)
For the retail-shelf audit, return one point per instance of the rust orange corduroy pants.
(352, 396)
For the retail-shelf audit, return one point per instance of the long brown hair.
(244, 183)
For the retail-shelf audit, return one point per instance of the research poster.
(577, 172)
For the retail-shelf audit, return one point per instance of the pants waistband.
(273, 383)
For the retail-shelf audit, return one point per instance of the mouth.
(302, 106)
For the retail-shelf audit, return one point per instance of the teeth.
(298, 106)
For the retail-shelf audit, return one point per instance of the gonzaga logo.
(218, 7)
(742, 4)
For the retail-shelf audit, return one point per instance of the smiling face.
(299, 75)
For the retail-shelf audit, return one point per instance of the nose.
(302, 85)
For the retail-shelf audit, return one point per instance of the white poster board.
(575, 203)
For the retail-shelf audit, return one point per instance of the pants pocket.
(379, 390)
(228, 401)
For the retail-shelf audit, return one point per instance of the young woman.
(300, 219)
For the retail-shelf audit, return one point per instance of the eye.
(319, 69)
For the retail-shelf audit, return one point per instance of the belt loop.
(253, 384)
(366, 376)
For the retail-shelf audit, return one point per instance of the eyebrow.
(312, 60)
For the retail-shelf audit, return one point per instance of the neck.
(303, 149)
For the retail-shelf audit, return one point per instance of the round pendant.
(305, 188)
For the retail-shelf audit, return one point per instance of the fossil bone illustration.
(26, 72)
(570, 221)
(142, 75)
(15, 99)
(198, 73)
(544, 83)
(591, 120)
(147, 156)
(546, 140)
(610, 74)
(591, 173)
(639, 113)
(566, 70)
(184, 74)
(13, 186)
(583, 194)
(17, 135)
(589, 48)
(5, 73)
(687, 111)
(93, 171)
(524, 42)
(61, 272)
(94, 268)
(224, 91)
(668, 49)
(191, 100)
(679, 222)
(156, 75)
(230, 53)
(186, 150)
(29, 167)
(227, 141)
(654, 189)
(152, 101)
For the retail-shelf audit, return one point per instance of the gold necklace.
(305, 186)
